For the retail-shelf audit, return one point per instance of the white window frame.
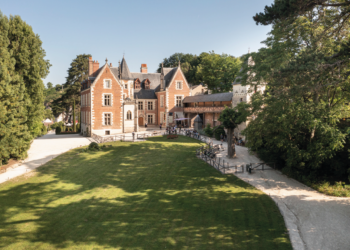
(127, 118)
(103, 118)
(143, 105)
(181, 82)
(182, 99)
(153, 107)
(103, 100)
(104, 83)
(153, 117)
(162, 117)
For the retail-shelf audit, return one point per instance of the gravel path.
(44, 149)
(315, 221)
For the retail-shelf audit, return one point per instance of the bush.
(94, 146)
(44, 130)
(58, 130)
(208, 130)
(218, 131)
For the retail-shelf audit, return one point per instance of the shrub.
(218, 131)
(44, 130)
(208, 130)
(94, 146)
(58, 130)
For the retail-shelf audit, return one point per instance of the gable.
(179, 76)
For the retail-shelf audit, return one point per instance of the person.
(145, 124)
(133, 136)
(160, 126)
(221, 138)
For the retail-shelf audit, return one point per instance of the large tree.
(189, 66)
(218, 72)
(306, 66)
(230, 119)
(14, 135)
(26, 49)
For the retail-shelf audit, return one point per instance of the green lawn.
(148, 195)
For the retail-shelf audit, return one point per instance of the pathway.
(315, 221)
(44, 149)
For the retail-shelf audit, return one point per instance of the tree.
(189, 66)
(49, 85)
(14, 135)
(74, 124)
(219, 71)
(26, 49)
(306, 65)
(230, 119)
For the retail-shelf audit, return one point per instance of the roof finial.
(179, 63)
(249, 50)
(123, 54)
(106, 60)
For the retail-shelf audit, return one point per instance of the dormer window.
(147, 84)
(137, 84)
(107, 84)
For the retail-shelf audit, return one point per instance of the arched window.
(128, 115)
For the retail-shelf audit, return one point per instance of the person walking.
(160, 126)
(145, 124)
(221, 138)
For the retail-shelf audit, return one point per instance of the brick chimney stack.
(143, 68)
(93, 66)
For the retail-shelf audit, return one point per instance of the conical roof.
(125, 70)
(198, 119)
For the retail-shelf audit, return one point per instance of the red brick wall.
(172, 92)
(98, 108)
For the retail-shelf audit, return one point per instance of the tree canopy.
(21, 88)
(306, 67)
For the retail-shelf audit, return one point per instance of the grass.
(148, 195)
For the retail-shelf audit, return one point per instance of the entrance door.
(141, 121)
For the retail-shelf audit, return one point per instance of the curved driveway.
(44, 149)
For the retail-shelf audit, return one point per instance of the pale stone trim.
(103, 118)
(104, 83)
(181, 85)
(103, 99)
(183, 96)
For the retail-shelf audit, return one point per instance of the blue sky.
(146, 31)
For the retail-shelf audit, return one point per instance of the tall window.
(178, 101)
(150, 105)
(140, 105)
(107, 84)
(150, 119)
(178, 85)
(164, 117)
(107, 100)
(107, 119)
(161, 101)
(128, 115)
(126, 86)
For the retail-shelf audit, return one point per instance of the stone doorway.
(141, 121)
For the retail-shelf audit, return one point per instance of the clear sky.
(146, 31)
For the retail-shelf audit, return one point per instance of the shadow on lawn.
(144, 196)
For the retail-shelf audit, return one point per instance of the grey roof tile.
(220, 97)
(145, 94)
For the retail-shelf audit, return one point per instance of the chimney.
(143, 68)
(91, 68)
(110, 65)
(96, 66)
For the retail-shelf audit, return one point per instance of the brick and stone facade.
(115, 100)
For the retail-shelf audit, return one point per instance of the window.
(178, 101)
(107, 132)
(140, 105)
(107, 84)
(147, 84)
(178, 85)
(107, 100)
(164, 117)
(137, 84)
(161, 101)
(240, 99)
(107, 119)
(161, 117)
(128, 115)
(150, 119)
(126, 86)
(150, 105)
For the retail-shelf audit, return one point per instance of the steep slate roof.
(115, 72)
(145, 94)
(125, 70)
(220, 97)
(168, 75)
